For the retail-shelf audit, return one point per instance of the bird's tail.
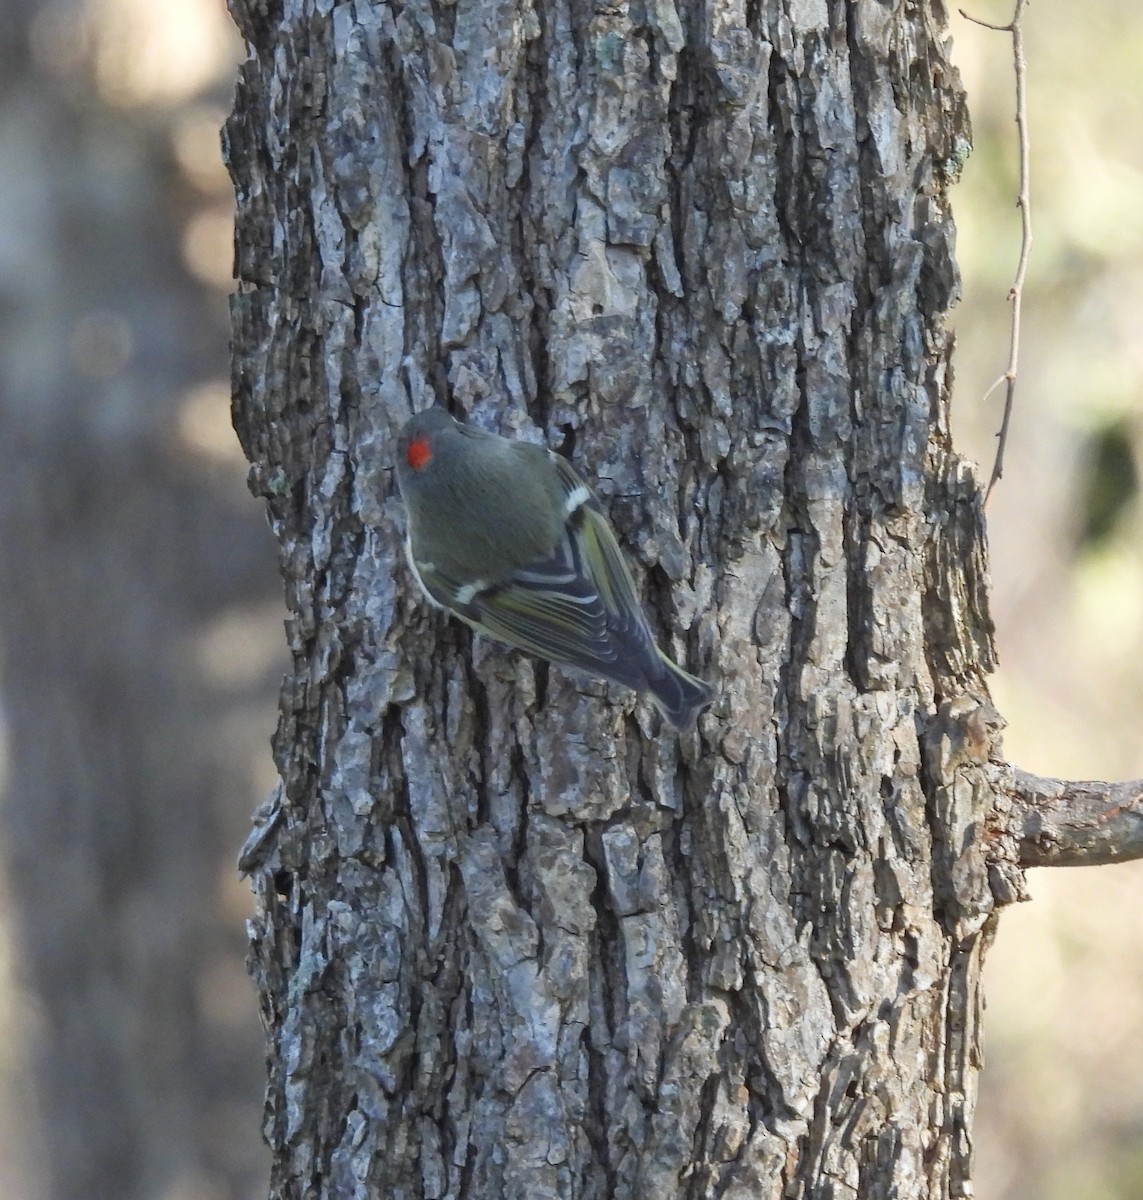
(679, 696)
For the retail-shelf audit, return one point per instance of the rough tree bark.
(515, 939)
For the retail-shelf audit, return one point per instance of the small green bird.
(508, 537)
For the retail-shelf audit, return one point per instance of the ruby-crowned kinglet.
(508, 537)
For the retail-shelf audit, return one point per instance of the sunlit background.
(118, 107)
(1061, 1108)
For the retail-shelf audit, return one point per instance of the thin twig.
(1024, 204)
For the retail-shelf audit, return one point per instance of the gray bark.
(515, 939)
(1043, 822)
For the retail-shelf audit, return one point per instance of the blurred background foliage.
(109, 116)
(1061, 1104)
(141, 643)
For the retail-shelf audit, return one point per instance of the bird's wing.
(596, 551)
(551, 609)
(578, 608)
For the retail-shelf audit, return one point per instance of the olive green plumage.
(507, 536)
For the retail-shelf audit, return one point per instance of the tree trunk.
(516, 938)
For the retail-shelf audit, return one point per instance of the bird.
(505, 535)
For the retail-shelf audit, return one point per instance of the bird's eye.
(418, 453)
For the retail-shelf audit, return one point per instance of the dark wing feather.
(597, 552)
(577, 608)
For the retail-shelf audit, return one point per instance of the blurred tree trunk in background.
(516, 940)
(132, 563)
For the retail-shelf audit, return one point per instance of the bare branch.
(1062, 823)
(1024, 204)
